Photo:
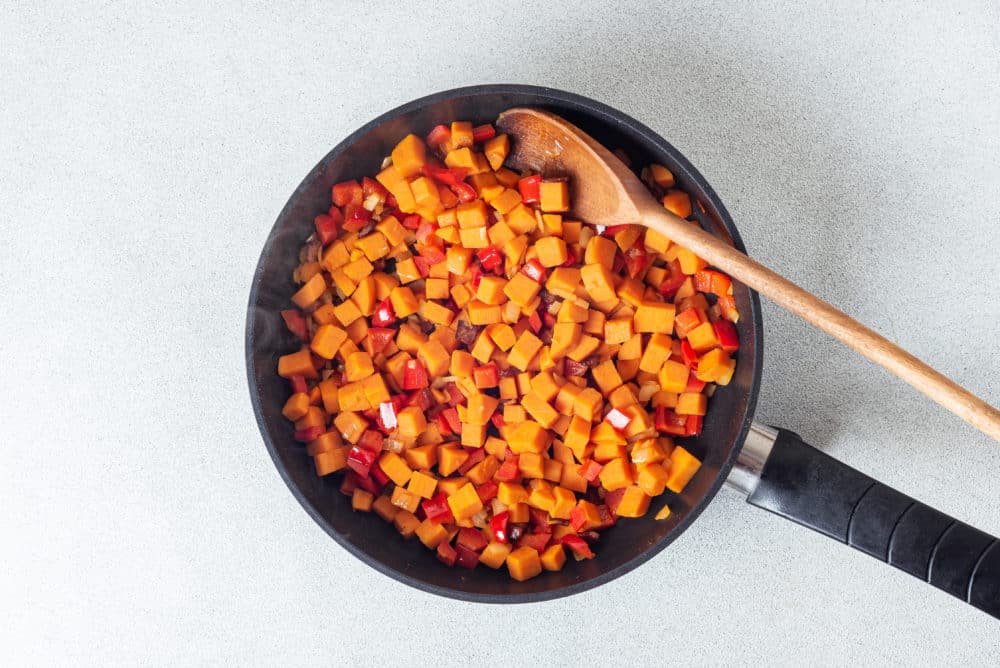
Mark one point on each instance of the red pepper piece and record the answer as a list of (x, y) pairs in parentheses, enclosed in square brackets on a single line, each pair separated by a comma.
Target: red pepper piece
[(437, 508), (466, 558), (356, 217), (537, 541), (451, 417), (412, 221), (471, 539), (726, 333), (455, 398), (727, 304), (612, 499), (347, 192), (636, 259), (390, 201), (508, 471), (693, 425), (379, 476), (438, 135), (612, 230), (384, 314), (449, 176), (674, 280), (298, 383), (425, 230), (539, 520), (535, 322), (490, 257), (369, 485), (308, 434), (577, 518), (360, 460), (464, 192), (475, 456), (694, 385), (590, 470), (570, 258), (371, 440), (379, 338), (432, 252), (498, 526), (534, 270), (708, 280), (578, 545), (349, 484), (422, 399), (497, 420), (481, 133), (295, 323), (446, 554), (442, 424), (688, 354), (449, 200), (669, 422), (488, 491), (617, 419), (326, 228), (371, 187), (530, 189)]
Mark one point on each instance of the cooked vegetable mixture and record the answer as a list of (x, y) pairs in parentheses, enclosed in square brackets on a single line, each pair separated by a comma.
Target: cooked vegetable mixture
[(493, 376)]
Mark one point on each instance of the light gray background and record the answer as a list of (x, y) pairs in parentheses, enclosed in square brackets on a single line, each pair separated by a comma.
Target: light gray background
[(144, 154)]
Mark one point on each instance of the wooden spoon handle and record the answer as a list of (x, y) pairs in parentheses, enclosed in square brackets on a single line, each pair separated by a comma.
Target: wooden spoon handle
[(836, 323)]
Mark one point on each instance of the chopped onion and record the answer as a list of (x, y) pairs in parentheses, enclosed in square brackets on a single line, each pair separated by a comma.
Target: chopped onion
[(373, 201), (481, 519), (386, 161), (498, 506), (617, 419), (647, 391), (392, 445), (388, 414)]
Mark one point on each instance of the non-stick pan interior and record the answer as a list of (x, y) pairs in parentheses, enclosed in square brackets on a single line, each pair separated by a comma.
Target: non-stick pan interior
[(621, 548)]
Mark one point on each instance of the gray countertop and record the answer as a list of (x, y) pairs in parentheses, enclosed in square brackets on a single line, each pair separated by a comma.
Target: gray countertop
[(144, 154)]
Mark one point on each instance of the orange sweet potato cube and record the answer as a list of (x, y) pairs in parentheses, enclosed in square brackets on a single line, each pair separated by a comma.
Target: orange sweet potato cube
[(358, 366), (409, 156), (395, 467), (606, 376), (473, 435), (634, 503), (435, 288), (563, 504), (405, 500), (598, 282), (588, 403), (691, 403), (404, 302), (410, 424), (545, 386), (502, 335), (577, 436), (475, 237), (431, 533), (449, 459), (657, 351), (521, 290), (563, 281), (491, 290), (618, 330), (616, 474), (422, 457), (506, 200), (434, 357), (310, 291), (523, 563), (651, 478), (529, 436), (462, 364), (531, 465), (422, 484), (406, 523), (683, 466), (600, 250), (551, 251), (703, 338), (524, 350), (496, 150), (539, 409), (327, 341), (465, 502), (554, 195), (653, 317), (330, 461), (472, 214), (678, 203), (480, 408), (458, 259), (521, 219), (495, 554)]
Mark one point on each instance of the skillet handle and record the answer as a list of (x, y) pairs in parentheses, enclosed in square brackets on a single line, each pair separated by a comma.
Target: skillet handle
[(809, 487)]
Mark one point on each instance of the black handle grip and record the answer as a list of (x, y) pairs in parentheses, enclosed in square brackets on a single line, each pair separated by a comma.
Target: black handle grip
[(817, 491)]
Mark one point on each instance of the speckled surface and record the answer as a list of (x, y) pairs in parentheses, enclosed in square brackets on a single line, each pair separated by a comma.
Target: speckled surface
[(145, 154)]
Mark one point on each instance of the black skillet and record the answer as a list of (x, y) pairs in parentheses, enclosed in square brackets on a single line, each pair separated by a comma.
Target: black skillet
[(777, 470)]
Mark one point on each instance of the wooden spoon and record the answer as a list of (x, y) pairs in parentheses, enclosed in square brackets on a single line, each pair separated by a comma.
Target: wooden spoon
[(607, 193)]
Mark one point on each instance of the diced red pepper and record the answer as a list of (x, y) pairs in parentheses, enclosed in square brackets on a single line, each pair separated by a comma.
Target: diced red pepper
[(694, 385), (508, 471), (636, 259), (530, 189), (326, 228), (471, 539), (384, 314), (438, 135), (612, 499), (367, 484), (295, 323), (481, 133), (488, 491), (308, 434), (451, 417), (378, 475), (425, 230), (356, 217), (708, 280), (577, 518), (372, 440), (411, 222), (349, 484), (608, 518), (490, 257), (674, 280), (535, 322), (539, 519), (422, 399), (347, 192), (534, 270), (578, 545), (298, 383), (693, 425), (450, 176), (449, 200), (727, 304), (371, 187), (669, 422), (726, 333), (570, 258), (590, 470), (464, 192), (688, 354), (617, 419), (442, 424), (536, 541), (390, 201), (573, 368), (486, 376), (360, 460), (466, 557), (498, 526), (548, 319), (437, 508), (455, 398), (379, 338), (475, 456), (497, 420), (433, 251), (446, 554)]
